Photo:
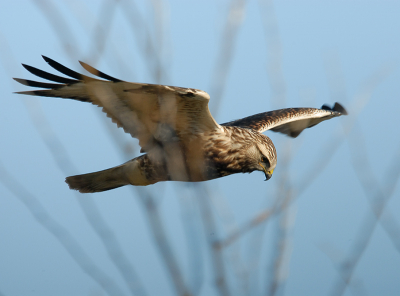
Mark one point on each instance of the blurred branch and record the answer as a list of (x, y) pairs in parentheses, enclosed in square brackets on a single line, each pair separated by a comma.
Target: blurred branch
[(194, 243), (147, 199), (228, 223), (357, 142), (378, 200), (274, 56), (211, 231), (58, 23), (224, 58), (144, 39), (85, 17), (279, 262), (354, 109), (243, 229), (161, 239), (281, 255), (102, 30), (62, 235), (92, 214), (87, 205), (360, 161), (327, 152)]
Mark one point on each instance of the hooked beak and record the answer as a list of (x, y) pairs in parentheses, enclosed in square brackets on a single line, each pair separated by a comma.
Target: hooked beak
[(268, 174)]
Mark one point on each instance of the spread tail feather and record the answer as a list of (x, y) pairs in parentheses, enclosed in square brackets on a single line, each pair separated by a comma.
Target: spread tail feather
[(98, 181)]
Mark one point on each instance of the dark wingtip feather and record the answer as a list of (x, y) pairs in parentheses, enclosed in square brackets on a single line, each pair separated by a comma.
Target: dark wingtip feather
[(337, 108), (65, 70), (326, 107), (49, 76), (98, 73), (38, 84), (30, 93)]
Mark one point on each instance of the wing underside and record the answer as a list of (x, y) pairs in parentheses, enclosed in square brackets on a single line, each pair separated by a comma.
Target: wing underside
[(290, 121), (152, 113)]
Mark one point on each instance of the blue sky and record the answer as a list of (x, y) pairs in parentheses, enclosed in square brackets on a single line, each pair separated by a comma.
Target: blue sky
[(325, 51)]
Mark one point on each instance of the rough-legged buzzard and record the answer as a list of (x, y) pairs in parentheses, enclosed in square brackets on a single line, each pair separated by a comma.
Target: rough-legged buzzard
[(175, 128)]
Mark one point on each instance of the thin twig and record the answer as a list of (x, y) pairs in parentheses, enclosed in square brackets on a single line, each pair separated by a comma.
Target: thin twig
[(277, 275), (210, 229), (194, 244), (224, 59), (102, 30), (89, 208), (327, 153), (144, 40), (378, 201), (162, 242), (274, 57), (92, 214), (58, 23), (224, 212), (62, 235)]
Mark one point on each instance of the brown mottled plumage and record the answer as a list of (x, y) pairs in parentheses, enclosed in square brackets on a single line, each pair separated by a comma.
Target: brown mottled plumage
[(175, 128)]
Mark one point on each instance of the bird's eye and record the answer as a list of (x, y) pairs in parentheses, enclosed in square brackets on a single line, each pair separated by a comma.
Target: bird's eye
[(264, 160)]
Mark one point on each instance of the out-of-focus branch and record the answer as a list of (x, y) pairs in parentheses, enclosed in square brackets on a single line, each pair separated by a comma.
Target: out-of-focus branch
[(279, 263), (144, 40), (161, 240), (274, 57), (85, 17), (233, 255), (224, 58), (147, 199), (58, 23), (392, 228), (378, 200), (360, 161), (87, 205), (281, 255), (210, 230), (89, 208), (243, 229), (63, 236), (372, 189), (327, 152), (194, 244), (102, 29)]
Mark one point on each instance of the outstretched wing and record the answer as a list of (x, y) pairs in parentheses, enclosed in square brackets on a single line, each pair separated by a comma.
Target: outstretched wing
[(152, 113), (290, 121)]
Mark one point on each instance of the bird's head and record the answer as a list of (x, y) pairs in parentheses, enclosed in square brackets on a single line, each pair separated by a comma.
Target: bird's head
[(262, 156)]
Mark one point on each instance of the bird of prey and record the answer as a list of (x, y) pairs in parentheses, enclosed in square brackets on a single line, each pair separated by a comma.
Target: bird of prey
[(175, 129)]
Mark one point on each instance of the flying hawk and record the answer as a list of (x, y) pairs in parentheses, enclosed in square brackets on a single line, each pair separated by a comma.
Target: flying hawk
[(175, 128)]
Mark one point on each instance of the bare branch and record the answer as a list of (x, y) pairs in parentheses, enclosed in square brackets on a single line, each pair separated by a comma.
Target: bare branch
[(274, 65), (210, 229), (62, 235), (233, 22), (161, 240), (92, 214), (379, 199), (146, 43), (59, 25), (194, 243)]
